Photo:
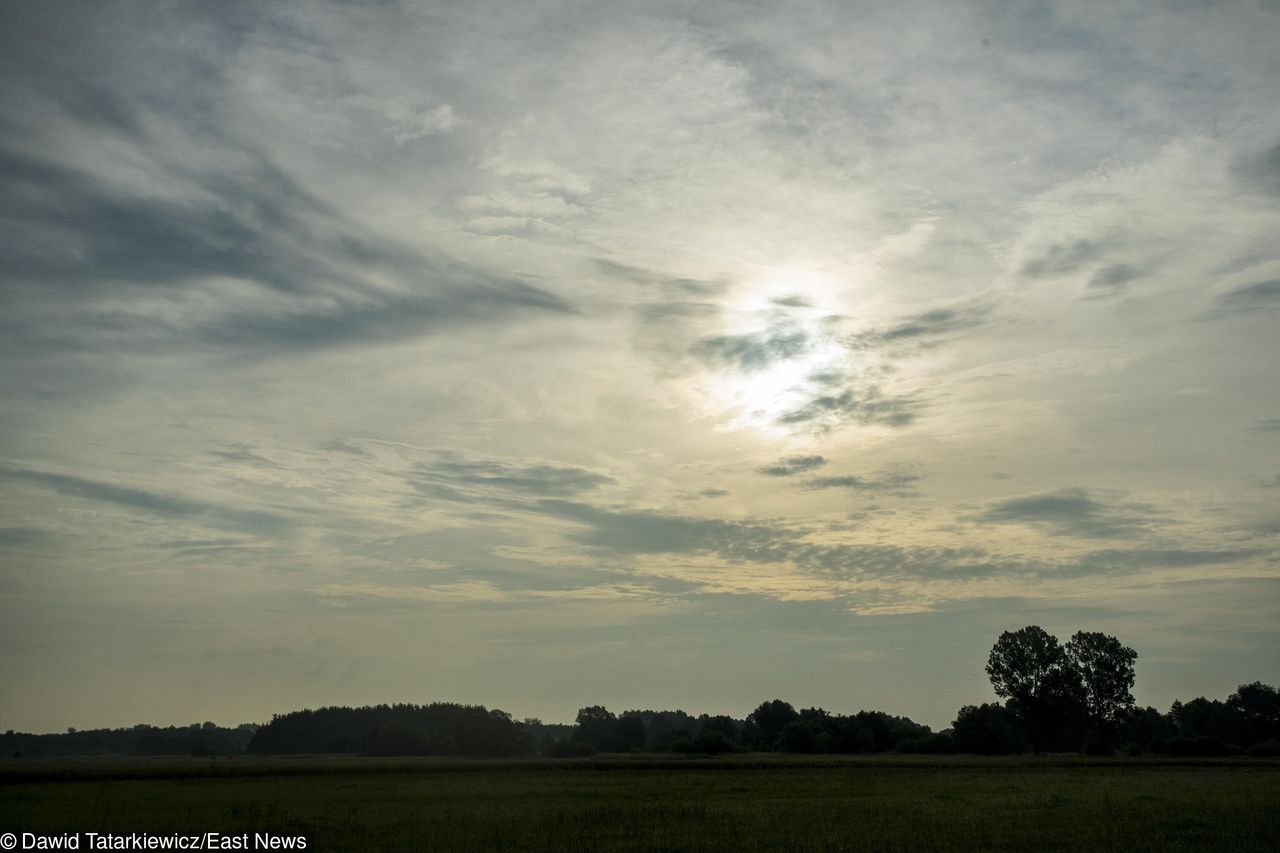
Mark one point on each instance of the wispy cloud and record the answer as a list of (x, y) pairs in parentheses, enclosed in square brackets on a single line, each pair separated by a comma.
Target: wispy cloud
[(1260, 296), (895, 483), (792, 465), (1073, 512), (155, 503), (454, 476), (868, 407)]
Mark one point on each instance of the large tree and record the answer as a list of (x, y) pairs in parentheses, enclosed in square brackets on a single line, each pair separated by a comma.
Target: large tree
[(769, 720), (597, 726), (1029, 668), (1105, 669), (1258, 705)]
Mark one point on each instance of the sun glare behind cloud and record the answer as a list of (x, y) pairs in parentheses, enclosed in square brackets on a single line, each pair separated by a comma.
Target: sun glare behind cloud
[(778, 348)]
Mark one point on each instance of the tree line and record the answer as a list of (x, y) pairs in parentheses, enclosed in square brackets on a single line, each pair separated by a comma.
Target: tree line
[(195, 739), (1072, 697)]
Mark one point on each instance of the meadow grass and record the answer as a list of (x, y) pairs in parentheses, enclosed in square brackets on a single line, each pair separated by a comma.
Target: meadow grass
[(741, 803)]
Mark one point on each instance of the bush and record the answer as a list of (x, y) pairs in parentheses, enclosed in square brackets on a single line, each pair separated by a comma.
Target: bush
[(936, 745), (1206, 746), (1211, 746), (570, 749), (1134, 750), (1266, 749), (908, 745), (712, 743)]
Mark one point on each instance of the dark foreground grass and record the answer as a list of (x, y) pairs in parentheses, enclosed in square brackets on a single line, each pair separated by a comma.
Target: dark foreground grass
[(664, 804)]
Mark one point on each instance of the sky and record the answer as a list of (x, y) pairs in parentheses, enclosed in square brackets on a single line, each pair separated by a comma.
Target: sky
[(653, 355)]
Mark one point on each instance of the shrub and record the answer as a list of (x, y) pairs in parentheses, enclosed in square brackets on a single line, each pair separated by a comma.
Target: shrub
[(712, 743), (936, 745), (1266, 749), (570, 749), (1211, 746)]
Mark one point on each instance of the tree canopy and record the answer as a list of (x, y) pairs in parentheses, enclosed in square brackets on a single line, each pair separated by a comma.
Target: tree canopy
[(1030, 668)]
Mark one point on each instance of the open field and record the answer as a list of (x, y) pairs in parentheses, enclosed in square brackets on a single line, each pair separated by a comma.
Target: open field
[(741, 803)]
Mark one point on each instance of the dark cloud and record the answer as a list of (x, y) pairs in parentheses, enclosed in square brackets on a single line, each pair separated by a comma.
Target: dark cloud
[(1268, 425), (868, 407), (928, 324), (1062, 258), (792, 302), (749, 353), (894, 483), (70, 237), (1113, 279), (454, 478), (649, 278), (109, 235), (1253, 297), (155, 503), (18, 537), (713, 493), (636, 532), (1123, 561), (244, 454), (792, 465), (1072, 512), (342, 445), (1260, 170), (872, 561)]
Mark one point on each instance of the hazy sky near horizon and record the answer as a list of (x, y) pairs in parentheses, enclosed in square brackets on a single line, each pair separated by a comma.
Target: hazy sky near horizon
[(641, 354)]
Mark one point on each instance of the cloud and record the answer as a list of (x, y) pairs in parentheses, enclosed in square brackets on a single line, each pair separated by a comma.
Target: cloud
[(1260, 296), (154, 503), (752, 352), (20, 537), (455, 477), (238, 258), (242, 453), (458, 592), (1260, 170), (1062, 258), (826, 411), (1072, 512), (639, 532), (649, 278), (927, 324), (1268, 425), (1124, 561), (792, 465), (894, 483), (1114, 278)]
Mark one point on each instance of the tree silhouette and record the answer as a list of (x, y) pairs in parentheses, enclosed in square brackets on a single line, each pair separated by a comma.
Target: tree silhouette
[(987, 729), (597, 726), (1105, 670), (1259, 707), (1030, 668), (769, 719)]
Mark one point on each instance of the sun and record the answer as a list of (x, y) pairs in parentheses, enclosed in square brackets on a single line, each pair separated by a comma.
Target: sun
[(786, 349)]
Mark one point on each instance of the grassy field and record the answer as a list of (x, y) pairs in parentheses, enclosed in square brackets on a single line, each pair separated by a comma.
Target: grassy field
[(743, 803)]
